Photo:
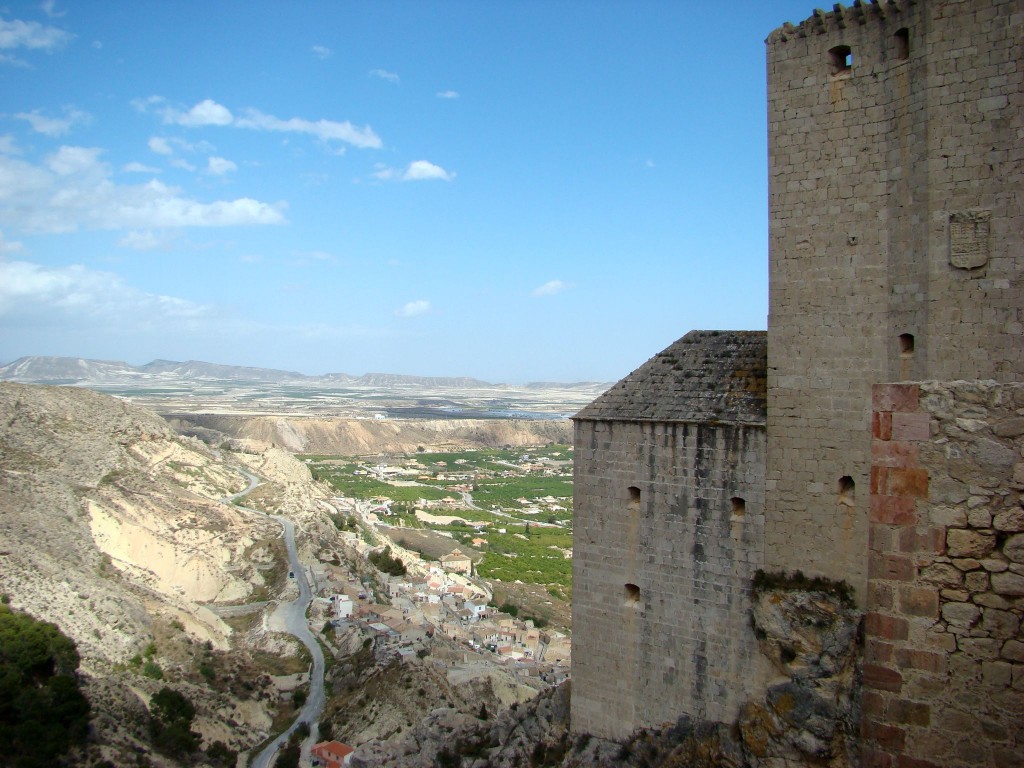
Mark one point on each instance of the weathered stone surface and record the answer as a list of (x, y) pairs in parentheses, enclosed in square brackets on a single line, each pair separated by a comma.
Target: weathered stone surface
[(1009, 520), (1013, 650), (992, 601), (976, 581), (979, 518), (967, 563), (1000, 624), (674, 509), (942, 574), (961, 614), (948, 517), (994, 566), (1008, 584), (981, 592), (1013, 549), (991, 453), (811, 639), (1013, 427), (967, 543)]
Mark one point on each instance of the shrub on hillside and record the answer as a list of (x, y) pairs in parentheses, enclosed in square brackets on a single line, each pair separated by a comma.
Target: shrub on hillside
[(42, 711)]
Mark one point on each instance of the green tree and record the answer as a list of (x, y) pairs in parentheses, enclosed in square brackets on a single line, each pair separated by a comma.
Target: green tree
[(171, 716), (289, 756), (388, 563), (42, 711), (220, 754)]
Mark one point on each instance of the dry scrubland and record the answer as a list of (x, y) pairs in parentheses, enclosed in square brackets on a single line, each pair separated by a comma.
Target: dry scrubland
[(114, 528)]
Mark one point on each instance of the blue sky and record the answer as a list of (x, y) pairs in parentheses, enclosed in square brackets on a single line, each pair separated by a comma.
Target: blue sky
[(516, 191)]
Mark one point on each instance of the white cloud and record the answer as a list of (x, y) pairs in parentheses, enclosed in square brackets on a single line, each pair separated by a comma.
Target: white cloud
[(413, 308), (218, 166), (322, 52), (550, 288), (325, 130), (31, 35), (208, 112), (7, 145), (419, 170), (54, 126), (447, 94), (28, 289), (185, 165), (72, 161), (167, 147), (144, 241), (9, 246), (383, 74), (135, 167), (73, 188), (384, 173), (160, 145), (50, 9)]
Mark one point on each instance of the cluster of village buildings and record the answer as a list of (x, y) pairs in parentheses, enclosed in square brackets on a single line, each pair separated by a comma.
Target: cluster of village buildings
[(437, 599), (437, 611)]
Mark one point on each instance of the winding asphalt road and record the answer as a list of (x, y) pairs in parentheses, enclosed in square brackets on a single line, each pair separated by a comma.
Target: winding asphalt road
[(296, 624)]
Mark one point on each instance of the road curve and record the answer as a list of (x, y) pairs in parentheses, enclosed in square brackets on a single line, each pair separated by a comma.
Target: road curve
[(296, 624), (295, 621)]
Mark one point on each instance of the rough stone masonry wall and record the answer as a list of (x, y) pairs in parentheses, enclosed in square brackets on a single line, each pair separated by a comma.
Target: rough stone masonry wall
[(944, 653), (664, 553), (896, 234)]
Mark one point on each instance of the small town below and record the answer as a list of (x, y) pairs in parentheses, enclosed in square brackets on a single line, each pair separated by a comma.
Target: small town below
[(441, 559)]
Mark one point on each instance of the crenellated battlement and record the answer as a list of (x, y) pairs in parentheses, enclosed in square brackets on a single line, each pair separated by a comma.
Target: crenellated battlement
[(840, 18)]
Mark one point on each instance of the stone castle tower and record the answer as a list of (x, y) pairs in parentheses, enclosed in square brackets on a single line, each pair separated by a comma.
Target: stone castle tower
[(896, 174), (896, 162)]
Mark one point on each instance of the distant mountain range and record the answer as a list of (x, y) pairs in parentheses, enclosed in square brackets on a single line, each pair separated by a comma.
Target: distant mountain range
[(80, 371)]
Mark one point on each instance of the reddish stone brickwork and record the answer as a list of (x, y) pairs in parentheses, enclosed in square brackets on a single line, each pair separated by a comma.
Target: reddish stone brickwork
[(944, 653)]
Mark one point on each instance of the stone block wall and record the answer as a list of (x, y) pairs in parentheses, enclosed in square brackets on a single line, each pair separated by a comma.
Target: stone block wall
[(944, 648), (668, 532), (896, 240)]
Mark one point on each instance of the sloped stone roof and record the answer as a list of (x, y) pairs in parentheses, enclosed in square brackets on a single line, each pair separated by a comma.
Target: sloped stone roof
[(706, 376)]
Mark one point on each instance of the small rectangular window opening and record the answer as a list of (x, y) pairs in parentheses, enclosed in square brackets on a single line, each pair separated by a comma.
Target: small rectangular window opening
[(847, 490), (906, 345), (841, 59), (632, 596), (739, 506), (902, 39), (633, 506)]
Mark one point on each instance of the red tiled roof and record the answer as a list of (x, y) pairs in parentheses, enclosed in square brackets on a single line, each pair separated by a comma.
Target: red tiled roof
[(332, 752)]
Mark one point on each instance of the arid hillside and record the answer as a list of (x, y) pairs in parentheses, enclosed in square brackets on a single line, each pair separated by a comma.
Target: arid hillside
[(353, 437), (112, 528), (106, 509)]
